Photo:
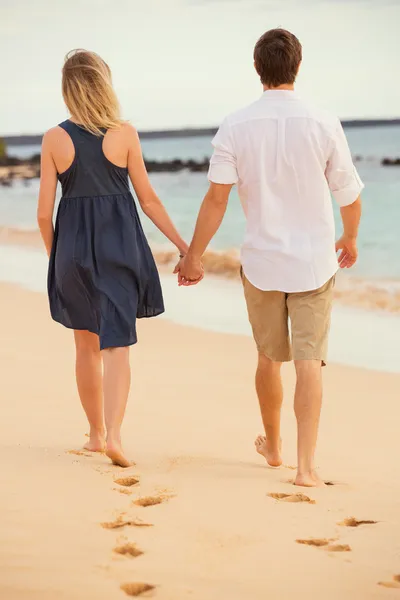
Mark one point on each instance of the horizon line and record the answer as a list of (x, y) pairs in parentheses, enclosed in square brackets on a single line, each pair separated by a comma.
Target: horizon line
[(188, 131)]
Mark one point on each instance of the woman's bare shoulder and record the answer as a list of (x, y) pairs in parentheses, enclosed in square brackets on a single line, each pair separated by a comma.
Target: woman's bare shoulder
[(128, 130), (54, 134), (127, 126), (125, 132)]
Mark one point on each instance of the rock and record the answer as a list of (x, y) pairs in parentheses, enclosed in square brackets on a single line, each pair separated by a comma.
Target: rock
[(390, 162), (198, 167), (10, 161), (35, 159)]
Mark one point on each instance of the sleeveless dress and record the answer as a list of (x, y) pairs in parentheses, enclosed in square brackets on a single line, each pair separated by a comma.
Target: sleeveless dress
[(102, 274)]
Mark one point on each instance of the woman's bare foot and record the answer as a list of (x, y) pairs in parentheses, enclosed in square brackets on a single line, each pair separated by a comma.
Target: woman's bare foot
[(271, 455), (310, 479), (97, 442), (115, 453)]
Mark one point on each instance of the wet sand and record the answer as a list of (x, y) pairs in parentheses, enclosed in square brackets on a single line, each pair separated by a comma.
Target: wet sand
[(349, 291), (222, 525)]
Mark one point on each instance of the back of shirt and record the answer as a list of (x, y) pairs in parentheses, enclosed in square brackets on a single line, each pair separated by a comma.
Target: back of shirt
[(286, 158)]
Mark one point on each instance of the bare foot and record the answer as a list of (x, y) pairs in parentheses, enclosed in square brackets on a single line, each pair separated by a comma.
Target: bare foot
[(96, 442), (115, 453), (310, 479), (271, 455)]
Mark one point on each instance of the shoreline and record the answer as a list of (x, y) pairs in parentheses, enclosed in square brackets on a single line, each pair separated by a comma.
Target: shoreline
[(218, 306), (190, 431), (374, 295)]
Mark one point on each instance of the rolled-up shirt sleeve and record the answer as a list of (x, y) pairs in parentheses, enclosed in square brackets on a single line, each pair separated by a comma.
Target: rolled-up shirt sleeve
[(341, 174), (223, 168)]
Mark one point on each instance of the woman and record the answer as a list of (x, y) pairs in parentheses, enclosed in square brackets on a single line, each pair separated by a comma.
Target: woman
[(102, 275)]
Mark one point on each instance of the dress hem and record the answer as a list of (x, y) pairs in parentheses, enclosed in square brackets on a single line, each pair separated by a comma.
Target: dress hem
[(104, 345)]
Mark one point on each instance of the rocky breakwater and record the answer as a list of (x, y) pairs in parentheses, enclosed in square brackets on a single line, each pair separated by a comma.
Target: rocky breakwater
[(12, 169), (391, 162)]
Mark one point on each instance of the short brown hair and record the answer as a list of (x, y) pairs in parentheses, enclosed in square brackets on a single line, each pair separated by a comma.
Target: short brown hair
[(277, 56)]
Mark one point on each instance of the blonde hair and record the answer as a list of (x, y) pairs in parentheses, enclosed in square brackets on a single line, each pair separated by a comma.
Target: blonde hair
[(88, 92)]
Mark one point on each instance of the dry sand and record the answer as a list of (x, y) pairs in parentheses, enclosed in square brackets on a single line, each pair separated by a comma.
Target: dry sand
[(223, 530)]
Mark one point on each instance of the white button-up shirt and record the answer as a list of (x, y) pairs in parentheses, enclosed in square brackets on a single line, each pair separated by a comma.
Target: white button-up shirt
[(286, 157)]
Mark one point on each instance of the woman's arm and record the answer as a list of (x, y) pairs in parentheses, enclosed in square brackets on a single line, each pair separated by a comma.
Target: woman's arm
[(148, 199), (47, 192)]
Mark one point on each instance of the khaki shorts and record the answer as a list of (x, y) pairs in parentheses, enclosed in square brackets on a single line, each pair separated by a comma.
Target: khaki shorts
[(309, 314)]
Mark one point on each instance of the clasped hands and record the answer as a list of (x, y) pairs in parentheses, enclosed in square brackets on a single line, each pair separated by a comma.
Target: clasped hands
[(190, 270)]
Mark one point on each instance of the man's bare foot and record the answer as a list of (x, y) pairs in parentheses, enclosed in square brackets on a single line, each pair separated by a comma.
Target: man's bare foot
[(115, 453), (271, 455), (97, 442), (310, 479)]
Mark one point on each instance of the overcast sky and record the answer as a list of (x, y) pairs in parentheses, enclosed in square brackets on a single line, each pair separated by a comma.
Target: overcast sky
[(189, 62)]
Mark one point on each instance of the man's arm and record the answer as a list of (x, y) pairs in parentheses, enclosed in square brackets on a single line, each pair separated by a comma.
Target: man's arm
[(345, 185), (351, 216), (222, 176), (210, 217)]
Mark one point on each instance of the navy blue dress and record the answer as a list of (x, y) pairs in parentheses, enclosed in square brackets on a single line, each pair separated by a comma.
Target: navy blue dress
[(102, 274)]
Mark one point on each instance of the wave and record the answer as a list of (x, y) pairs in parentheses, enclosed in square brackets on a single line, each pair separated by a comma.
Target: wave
[(226, 264), (349, 291), (20, 237)]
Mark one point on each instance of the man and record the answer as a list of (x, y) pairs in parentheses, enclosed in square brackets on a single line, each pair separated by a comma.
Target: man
[(286, 158)]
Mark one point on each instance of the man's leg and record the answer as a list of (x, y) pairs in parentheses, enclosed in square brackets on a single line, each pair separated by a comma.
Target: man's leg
[(307, 407), (268, 316), (310, 314), (270, 396)]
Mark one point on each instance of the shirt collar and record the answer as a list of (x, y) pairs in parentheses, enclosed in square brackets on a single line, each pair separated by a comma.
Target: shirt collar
[(280, 95)]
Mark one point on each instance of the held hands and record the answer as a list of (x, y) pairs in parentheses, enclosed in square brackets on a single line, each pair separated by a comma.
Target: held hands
[(189, 270), (348, 252)]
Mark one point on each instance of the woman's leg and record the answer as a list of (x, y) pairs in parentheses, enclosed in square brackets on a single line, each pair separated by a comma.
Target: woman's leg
[(89, 379), (116, 382)]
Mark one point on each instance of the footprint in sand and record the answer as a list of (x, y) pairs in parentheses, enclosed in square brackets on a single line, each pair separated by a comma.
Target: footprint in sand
[(80, 453), (318, 542), (291, 498), (338, 548), (395, 584), (136, 589), (353, 522), (121, 522), (123, 491), (128, 549), (127, 481), (152, 500), (326, 544)]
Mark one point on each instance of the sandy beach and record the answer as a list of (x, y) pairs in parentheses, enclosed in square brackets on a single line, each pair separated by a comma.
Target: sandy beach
[(190, 426)]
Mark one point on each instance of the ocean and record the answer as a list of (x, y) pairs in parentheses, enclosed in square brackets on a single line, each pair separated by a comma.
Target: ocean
[(217, 303), (183, 192)]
